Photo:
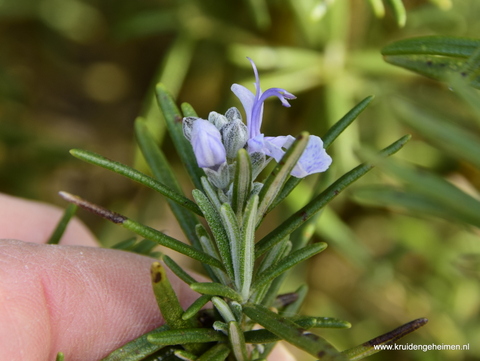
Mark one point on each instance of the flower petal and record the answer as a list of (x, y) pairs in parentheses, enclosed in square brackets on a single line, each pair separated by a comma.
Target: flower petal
[(246, 97), (313, 160), (207, 144)]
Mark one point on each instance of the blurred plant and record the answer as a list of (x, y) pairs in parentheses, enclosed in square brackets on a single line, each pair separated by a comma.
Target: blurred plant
[(456, 61), (246, 275), (383, 267)]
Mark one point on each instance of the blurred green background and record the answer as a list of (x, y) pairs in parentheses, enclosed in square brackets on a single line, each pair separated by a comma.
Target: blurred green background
[(75, 74)]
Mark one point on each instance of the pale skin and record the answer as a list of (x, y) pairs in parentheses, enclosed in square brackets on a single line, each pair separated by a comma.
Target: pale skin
[(75, 297)]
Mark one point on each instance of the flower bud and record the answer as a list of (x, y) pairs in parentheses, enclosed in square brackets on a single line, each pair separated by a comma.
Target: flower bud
[(234, 136), (233, 113), (187, 126), (207, 144), (217, 119)]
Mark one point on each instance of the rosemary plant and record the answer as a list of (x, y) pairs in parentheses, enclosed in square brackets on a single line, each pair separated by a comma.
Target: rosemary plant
[(226, 160)]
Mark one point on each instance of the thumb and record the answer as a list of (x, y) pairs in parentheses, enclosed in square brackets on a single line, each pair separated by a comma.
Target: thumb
[(82, 301)]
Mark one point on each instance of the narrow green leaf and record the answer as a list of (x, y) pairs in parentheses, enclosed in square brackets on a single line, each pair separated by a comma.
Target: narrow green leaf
[(211, 193), (167, 299), (273, 255), (179, 271), (218, 352), (142, 230), (188, 110), (170, 306), (224, 310), (185, 355), (163, 173), (210, 248), (173, 119), (215, 289), (170, 242), (242, 182), (62, 224), (137, 349), (433, 45), (207, 244), (214, 222), (185, 336), (136, 176), (260, 336), (399, 11), (237, 341), (265, 336), (370, 347), (219, 325), (236, 310), (267, 294), (276, 180), (320, 201), (196, 306), (247, 247), (291, 260), (229, 221), (145, 247), (60, 355), (292, 333), (125, 245), (320, 322)]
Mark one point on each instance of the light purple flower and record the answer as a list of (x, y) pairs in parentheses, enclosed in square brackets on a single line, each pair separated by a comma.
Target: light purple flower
[(313, 160), (207, 144)]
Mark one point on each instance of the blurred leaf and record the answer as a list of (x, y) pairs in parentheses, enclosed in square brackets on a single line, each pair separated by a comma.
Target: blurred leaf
[(399, 11), (62, 224), (434, 45), (457, 141), (147, 23), (430, 191), (378, 8), (436, 57)]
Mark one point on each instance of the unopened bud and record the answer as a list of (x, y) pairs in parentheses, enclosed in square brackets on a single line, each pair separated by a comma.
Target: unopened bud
[(234, 136)]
